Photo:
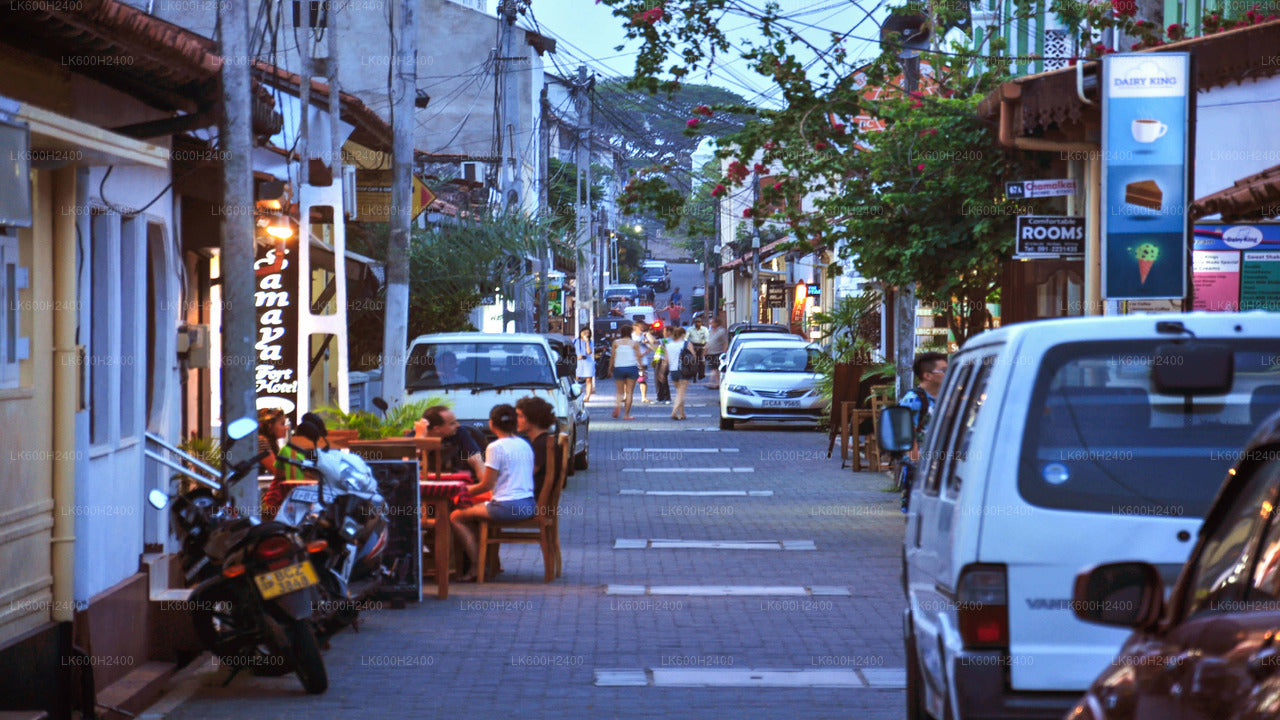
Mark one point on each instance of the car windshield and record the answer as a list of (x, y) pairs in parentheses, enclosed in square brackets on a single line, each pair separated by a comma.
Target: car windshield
[(1100, 439), (478, 364), (776, 360)]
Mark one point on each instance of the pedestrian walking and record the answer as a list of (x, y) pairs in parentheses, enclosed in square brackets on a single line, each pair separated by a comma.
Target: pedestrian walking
[(717, 344), (586, 370), (646, 359), (675, 298), (661, 363), (676, 352), (624, 366), (929, 368), (697, 337), (673, 310)]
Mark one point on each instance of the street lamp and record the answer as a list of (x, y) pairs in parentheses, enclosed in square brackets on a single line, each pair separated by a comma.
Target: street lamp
[(640, 230)]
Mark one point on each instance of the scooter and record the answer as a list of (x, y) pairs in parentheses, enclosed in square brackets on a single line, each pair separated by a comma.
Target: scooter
[(345, 514), (255, 591)]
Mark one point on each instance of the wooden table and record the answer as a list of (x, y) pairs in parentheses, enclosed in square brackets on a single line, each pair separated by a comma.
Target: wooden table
[(440, 495)]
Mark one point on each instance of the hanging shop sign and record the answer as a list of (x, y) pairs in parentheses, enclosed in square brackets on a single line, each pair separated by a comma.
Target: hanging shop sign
[(1039, 188), (1049, 236), (1144, 175), (775, 294), (373, 195), (275, 371)]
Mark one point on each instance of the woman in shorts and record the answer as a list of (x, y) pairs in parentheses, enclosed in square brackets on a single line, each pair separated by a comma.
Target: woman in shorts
[(586, 370), (624, 366), (508, 472)]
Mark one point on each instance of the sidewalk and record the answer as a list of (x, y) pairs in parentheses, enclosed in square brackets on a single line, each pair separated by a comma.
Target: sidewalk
[(521, 645)]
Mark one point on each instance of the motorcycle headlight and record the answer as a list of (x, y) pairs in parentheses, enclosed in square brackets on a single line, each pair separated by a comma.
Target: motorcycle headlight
[(350, 529)]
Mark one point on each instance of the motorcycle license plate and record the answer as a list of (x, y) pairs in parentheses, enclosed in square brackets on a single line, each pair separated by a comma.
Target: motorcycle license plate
[(304, 493), (781, 403), (286, 580)]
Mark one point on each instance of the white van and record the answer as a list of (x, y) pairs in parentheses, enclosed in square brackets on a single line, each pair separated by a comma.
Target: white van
[(476, 371), (1051, 451)]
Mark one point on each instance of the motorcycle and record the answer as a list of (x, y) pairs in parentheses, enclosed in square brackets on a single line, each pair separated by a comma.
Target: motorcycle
[(254, 591), (345, 514)]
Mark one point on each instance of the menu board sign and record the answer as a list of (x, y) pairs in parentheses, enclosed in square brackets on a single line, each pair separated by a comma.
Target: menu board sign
[(1144, 175), (1236, 267)]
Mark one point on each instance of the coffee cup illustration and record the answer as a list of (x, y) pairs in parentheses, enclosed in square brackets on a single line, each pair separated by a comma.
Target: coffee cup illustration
[(1145, 131)]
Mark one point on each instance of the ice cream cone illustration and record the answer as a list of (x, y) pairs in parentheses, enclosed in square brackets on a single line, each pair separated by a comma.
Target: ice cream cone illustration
[(1146, 253)]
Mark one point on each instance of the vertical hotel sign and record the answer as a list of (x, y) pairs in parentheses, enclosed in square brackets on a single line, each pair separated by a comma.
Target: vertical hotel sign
[(1144, 175), (275, 369)]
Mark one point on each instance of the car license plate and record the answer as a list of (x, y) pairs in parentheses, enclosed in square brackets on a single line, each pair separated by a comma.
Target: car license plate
[(286, 580), (781, 403)]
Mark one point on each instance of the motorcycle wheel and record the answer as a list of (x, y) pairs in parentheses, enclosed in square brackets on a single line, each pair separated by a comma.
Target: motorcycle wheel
[(309, 666), (219, 619)]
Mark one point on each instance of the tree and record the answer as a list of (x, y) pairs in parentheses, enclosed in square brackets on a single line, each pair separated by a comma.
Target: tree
[(914, 202)]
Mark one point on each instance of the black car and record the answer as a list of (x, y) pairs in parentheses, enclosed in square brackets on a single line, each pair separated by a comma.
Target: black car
[(656, 277)]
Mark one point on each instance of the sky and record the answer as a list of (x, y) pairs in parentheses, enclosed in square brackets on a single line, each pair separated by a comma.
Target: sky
[(588, 32)]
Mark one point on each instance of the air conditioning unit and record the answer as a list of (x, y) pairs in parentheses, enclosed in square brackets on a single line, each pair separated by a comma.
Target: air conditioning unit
[(473, 172), (349, 191)]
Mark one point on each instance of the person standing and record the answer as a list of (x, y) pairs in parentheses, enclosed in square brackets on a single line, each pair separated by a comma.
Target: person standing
[(717, 344), (673, 310), (508, 472), (675, 298), (639, 335), (661, 361), (930, 368), (586, 370), (675, 350), (697, 337), (624, 366)]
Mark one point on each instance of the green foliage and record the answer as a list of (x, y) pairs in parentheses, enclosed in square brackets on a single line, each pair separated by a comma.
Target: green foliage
[(847, 332), (206, 450), (562, 196), (372, 426)]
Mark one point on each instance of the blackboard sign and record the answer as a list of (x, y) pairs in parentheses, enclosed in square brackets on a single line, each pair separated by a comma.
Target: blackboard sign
[(398, 483), (775, 294)]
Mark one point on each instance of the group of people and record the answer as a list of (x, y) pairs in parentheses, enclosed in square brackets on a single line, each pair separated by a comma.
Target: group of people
[(507, 474)]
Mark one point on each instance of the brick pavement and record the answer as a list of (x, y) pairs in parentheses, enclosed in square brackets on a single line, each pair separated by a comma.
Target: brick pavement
[(519, 645)]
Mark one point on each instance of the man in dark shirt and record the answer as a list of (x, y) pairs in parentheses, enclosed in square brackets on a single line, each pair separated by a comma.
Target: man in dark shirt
[(439, 421), (534, 419)]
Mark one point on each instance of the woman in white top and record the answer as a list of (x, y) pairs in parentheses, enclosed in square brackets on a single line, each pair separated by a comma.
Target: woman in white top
[(624, 366), (508, 472), (674, 347)]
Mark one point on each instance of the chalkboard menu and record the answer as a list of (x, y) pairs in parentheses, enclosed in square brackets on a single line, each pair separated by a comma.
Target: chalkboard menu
[(398, 483)]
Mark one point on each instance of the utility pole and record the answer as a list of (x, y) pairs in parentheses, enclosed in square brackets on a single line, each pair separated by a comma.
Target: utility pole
[(544, 147), (713, 302), (904, 312), (585, 241), (755, 249), (510, 128), (395, 339), (239, 321), (335, 107)]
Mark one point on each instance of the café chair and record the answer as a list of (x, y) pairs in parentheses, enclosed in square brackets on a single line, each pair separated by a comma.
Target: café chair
[(544, 527)]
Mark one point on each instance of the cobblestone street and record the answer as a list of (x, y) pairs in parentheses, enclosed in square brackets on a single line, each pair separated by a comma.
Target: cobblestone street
[(629, 622)]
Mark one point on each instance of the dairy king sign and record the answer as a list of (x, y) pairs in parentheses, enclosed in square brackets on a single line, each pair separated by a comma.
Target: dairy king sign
[(276, 350)]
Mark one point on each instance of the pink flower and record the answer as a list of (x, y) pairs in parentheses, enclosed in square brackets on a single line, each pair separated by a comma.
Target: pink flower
[(703, 110), (758, 168), (717, 191), (916, 104), (746, 213), (920, 166), (691, 123)]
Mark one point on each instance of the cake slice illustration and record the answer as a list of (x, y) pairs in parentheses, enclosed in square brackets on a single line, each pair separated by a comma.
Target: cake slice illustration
[(1144, 193), (1146, 253)]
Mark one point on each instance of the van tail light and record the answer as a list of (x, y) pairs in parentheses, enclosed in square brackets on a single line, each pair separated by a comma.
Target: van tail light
[(982, 606), (273, 547)]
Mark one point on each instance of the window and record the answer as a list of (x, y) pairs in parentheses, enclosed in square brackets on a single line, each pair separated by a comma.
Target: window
[(969, 417), (103, 313), (13, 279), (950, 397), (1221, 571), (116, 363), (478, 365)]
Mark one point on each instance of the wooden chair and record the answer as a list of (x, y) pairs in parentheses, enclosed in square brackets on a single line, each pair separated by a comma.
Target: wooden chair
[(544, 527)]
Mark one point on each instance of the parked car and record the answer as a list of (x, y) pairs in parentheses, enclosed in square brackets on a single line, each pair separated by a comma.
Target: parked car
[(476, 371), (738, 327), (771, 380), (566, 370), (1053, 448), (743, 337), (614, 293), (1210, 651), (656, 276), (645, 295)]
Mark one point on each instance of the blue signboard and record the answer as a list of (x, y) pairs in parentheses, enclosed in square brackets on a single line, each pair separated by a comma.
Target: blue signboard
[(1144, 176)]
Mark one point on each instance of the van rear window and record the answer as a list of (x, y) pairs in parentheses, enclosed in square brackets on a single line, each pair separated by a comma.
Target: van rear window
[(1100, 439)]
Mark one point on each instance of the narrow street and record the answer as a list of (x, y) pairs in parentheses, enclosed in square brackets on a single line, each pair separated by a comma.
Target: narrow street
[(629, 623)]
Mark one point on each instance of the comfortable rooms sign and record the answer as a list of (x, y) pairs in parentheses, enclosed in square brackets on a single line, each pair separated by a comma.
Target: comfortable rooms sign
[(1049, 236)]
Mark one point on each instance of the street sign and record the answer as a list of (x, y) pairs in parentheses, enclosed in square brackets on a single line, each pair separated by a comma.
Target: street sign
[(1039, 188), (373, 195), (1049, 236)]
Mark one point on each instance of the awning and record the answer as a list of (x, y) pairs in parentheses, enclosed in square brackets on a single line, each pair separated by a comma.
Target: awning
[(84, 143), (1050, 99), (1256, 197)]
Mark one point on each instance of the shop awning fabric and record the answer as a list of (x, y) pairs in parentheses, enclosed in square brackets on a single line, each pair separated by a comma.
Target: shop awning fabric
[(1256, 197), (1050, 99)]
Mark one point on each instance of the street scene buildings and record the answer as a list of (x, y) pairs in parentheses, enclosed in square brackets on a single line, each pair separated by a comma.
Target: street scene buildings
[(933, 239)]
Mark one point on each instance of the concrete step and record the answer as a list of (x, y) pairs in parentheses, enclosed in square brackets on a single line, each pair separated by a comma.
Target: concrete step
[(135, 691)]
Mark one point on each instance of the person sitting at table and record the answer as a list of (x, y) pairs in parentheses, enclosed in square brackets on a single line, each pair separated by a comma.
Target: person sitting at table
[(534, 418), (307, 438), (461, 450), (273, 428), (508, 472)]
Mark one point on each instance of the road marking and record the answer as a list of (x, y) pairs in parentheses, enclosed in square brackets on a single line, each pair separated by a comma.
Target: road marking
[(682, 429), (681, 450), (876, 678), (688, 470), (727, 590), (667, 544), (700, 493)]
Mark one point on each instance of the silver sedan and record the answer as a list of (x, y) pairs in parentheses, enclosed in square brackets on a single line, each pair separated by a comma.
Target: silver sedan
[(772, 381)]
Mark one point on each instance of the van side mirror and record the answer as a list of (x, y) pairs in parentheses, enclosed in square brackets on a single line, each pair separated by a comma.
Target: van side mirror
[(1127, 594), (897, 430)]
